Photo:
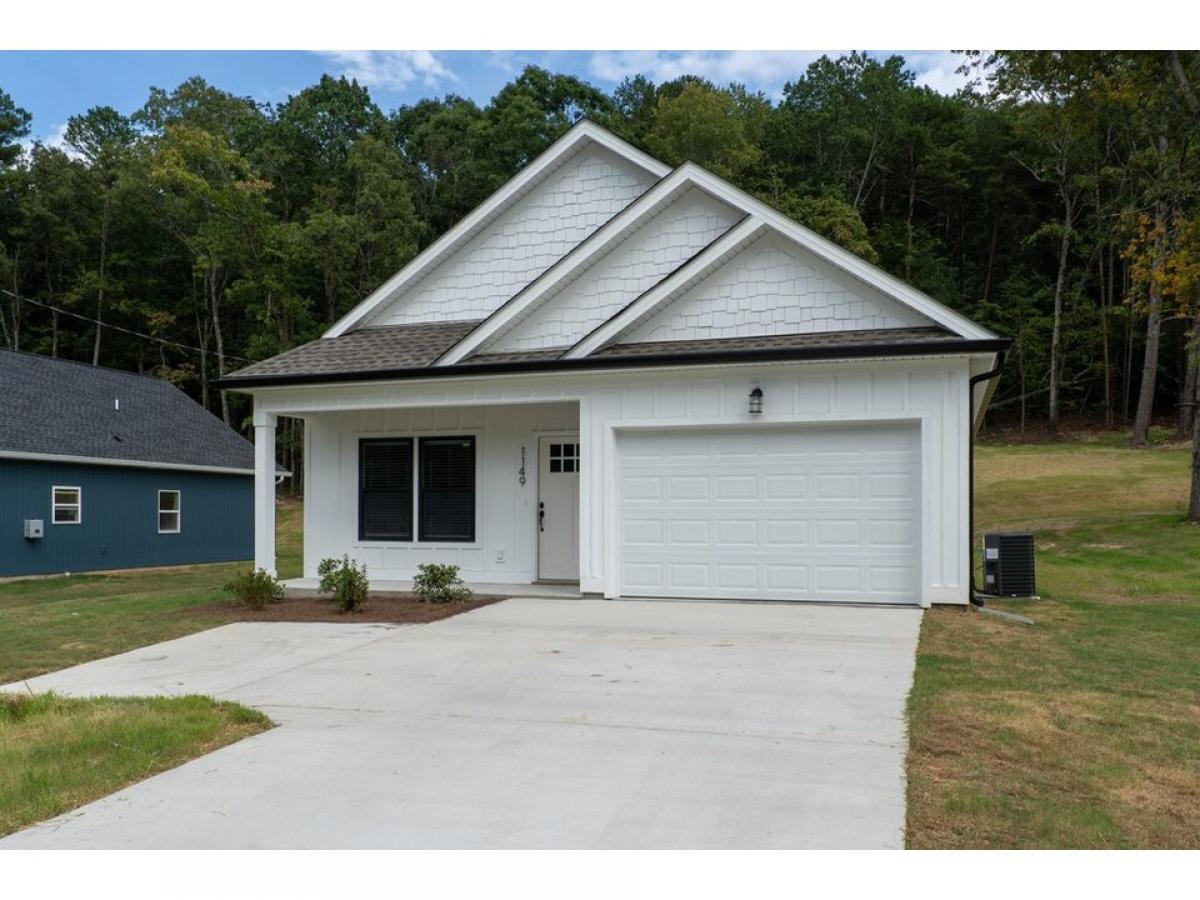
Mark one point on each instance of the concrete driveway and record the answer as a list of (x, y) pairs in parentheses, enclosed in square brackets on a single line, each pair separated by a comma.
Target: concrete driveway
[(533, 723)]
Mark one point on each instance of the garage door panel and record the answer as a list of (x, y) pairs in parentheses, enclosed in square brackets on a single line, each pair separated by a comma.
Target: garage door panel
[(786, 532), (804, 513), (737, 487), (642, 531), (689, 531), (645, 488), (688, 487), (738, 532), (784, 487), (737, 576), (889, 579), (888, 485), (785, 578), (637, 575), (688, 575), (836, 579), (892, 532), (839, 533)]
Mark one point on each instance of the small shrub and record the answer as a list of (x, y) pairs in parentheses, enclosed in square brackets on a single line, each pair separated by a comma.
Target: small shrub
[(256, 589), (346, 580), (439, 584)]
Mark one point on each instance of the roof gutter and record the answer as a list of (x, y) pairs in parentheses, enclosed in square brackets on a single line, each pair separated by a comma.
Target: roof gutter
[(698, 358), (125, 463), (976, 597)]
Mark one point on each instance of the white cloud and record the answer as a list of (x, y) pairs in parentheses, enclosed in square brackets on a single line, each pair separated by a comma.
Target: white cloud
[(505, 61), (392, 70), (56, 137), (938, 71), (766, 70)]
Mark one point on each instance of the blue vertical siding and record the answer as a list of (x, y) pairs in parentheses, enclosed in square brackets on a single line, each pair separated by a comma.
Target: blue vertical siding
[(119, 527)]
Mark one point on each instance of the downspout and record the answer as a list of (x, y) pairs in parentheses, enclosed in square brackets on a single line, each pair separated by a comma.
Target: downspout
[(977, 596)]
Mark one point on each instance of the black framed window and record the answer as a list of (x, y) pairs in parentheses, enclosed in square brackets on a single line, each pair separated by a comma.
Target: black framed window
[(385, 489), (446, 501), (564, 457)]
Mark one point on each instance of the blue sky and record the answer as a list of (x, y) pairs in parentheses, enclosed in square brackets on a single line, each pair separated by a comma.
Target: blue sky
[(56, 85)]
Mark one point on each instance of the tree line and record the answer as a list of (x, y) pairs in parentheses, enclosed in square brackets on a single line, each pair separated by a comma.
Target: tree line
[(1054, 200)]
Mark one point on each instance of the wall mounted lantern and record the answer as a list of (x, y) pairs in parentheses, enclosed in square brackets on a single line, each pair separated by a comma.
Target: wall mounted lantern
[(756, 400)]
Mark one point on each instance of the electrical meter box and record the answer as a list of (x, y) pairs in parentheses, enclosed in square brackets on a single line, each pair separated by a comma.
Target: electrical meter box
[(33, 529)]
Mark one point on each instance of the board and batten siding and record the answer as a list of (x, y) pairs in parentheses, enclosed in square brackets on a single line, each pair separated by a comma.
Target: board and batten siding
[(504, 549), (119, 523), (507, 412)]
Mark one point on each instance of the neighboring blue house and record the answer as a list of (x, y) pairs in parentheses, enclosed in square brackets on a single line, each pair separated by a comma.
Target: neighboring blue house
[(101, 469)]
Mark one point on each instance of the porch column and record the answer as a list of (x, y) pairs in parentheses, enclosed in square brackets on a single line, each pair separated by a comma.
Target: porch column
[(264, 491)]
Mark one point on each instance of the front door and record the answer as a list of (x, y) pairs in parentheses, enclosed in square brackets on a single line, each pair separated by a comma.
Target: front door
[(558, 508)]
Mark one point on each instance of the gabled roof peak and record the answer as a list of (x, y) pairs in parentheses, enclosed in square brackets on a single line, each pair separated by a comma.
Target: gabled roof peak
[(573, 140)]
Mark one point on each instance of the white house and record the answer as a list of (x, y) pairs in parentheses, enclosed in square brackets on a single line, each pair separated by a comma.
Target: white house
[(643, 380)]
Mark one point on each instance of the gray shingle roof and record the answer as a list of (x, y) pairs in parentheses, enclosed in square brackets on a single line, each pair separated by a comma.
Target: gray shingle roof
[(365, 350), (63, 408), (406, 349), (849, 339)]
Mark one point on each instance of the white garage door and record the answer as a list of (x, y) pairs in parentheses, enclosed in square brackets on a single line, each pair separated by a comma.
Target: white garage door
[(811, 513)]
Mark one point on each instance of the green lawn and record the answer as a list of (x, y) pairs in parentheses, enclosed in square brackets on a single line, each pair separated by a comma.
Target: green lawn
[(51, 623), (58, 753), (1084, 729)]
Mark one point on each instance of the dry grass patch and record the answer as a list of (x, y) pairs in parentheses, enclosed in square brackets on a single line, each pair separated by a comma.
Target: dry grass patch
[(1083, 730), (1062, 485), (58, 753)]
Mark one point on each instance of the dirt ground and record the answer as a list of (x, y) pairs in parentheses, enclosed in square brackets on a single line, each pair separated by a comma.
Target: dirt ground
[(395, 608)]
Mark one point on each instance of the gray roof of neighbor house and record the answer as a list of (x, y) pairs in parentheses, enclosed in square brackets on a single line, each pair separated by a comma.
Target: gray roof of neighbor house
[(56, 407), (409, 351)]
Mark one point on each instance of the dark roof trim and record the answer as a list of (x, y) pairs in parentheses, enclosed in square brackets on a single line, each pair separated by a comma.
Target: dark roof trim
[(711, 357)]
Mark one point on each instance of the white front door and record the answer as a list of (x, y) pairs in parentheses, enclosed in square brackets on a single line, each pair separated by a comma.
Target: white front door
[(558, 508)]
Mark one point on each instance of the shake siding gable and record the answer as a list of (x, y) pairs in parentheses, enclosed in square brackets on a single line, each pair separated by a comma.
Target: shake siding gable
[(771, 287), (645, 257), (554, 216)]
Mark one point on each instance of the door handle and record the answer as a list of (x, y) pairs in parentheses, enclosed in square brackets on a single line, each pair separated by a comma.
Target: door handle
[(541, 516)]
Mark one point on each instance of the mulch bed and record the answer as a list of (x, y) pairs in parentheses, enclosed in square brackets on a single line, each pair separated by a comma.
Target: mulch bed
[(395, 608)]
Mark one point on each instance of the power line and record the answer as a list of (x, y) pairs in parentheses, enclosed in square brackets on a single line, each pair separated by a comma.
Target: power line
[(138, 334)]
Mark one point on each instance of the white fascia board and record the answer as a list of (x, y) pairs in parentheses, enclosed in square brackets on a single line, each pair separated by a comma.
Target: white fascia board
[(842, 259), (577, 260), (568, 145), (610, 141), (125, 463), (742, 233)]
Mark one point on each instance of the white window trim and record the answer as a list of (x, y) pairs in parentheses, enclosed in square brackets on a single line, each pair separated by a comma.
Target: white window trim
[(77, 505), (178, 510)]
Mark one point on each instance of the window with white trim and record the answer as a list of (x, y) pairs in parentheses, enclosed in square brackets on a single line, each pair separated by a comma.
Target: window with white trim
[(168, 512), (66, 505)]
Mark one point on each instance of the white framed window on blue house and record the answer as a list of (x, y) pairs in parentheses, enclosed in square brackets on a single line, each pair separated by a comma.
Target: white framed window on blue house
[(66, 505), (170, 513), (419, 489)]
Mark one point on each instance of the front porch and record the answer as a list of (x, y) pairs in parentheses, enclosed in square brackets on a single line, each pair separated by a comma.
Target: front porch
[(491, 488)]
